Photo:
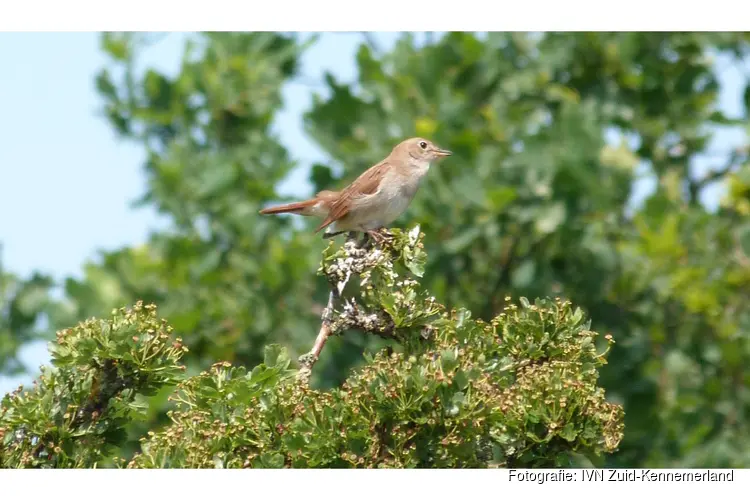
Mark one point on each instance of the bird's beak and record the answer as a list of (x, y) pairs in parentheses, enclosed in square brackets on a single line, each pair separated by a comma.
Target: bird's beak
[(443, 152)]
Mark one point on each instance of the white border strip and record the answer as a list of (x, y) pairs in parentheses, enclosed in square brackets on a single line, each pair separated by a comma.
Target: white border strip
[(382, 15)]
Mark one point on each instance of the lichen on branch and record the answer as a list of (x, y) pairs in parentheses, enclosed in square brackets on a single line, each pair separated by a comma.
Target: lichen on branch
[(388, 302)]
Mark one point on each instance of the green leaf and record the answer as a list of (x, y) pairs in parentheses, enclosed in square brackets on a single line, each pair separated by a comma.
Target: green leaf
[(462, 240), (523, 275), (275, 356), (720, 118), (217, 180), (448, 360), (209, 262), (556, 92), (415, 264), (500, 197), (569, 432), (117, 45), (550, 218), (104, 84), (270, 461), (461, 379)]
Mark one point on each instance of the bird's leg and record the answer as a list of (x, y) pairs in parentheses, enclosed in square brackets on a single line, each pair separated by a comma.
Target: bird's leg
[(331, 235), (367, 241)]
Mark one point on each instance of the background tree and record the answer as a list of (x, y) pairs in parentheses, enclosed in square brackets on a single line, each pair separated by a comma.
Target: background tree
[(22, 303), (535, 202)]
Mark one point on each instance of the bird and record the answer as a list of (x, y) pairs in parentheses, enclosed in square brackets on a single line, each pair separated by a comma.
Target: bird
[(376, 198)]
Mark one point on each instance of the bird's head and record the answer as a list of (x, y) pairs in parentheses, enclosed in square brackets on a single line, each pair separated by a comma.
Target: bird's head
[(421, 150)]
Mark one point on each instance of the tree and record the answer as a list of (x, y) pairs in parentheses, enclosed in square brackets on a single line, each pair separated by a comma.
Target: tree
[(22, 305), (533, 203), (520, 390)]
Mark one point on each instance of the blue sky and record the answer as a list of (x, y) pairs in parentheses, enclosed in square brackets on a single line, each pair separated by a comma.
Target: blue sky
[(67, 183)]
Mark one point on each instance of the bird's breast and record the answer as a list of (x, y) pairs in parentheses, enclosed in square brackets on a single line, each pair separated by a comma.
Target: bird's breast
[(393, 198)]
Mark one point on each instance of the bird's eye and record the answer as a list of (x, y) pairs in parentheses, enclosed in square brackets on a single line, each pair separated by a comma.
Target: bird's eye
[(423, 145)]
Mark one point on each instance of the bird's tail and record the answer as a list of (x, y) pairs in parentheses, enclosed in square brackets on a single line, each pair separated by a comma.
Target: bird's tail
[(314, 206), (300, 207)]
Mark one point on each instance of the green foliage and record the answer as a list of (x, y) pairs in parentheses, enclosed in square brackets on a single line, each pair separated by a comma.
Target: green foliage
[(458, 392), (535, 202), (445, 405), (75, 414), (22, 303)]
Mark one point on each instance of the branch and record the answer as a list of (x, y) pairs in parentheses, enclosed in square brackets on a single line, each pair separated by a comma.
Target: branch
[(377, 323), (308, 360), (695, 186), (358, 260)]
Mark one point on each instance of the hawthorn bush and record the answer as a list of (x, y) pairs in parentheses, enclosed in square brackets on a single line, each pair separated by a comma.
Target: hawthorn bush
[(447, 390)]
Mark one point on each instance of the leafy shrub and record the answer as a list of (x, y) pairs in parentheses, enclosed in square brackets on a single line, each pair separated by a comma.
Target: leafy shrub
[(448, 391), (75, 414)]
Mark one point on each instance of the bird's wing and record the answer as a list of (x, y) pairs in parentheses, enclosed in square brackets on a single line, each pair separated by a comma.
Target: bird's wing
[(366, 184)]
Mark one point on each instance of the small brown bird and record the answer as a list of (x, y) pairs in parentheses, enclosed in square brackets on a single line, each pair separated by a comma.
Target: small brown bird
[(377, 197)]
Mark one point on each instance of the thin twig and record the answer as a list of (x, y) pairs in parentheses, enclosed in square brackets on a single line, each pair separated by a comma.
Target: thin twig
[(325, 326), (308, 360)]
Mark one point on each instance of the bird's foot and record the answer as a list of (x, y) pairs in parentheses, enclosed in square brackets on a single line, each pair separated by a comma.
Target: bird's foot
[(379, 236)]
